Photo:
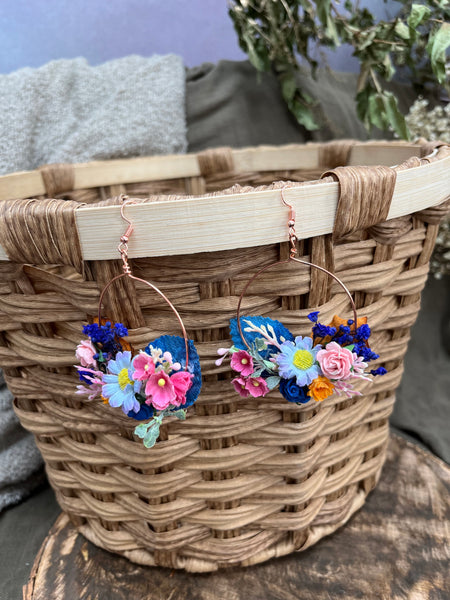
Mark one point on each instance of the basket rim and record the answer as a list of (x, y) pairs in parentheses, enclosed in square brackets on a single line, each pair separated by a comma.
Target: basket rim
[(209, 222)]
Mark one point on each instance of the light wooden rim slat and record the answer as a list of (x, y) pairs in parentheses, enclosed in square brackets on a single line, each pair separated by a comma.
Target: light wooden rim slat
[(191, 225), (28, 184)]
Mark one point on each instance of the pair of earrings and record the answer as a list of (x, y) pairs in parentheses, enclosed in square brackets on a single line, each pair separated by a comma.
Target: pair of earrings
[(165, 378)]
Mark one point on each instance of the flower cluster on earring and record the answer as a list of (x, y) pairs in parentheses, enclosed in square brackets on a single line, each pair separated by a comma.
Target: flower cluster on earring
[(155, 379), (302, 368)]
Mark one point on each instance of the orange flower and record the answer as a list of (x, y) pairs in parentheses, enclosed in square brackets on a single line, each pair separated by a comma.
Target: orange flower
[(320, 388), (338, 321)]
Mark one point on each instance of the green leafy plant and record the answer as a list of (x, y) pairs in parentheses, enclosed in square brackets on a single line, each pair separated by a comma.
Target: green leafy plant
[(278, 35)]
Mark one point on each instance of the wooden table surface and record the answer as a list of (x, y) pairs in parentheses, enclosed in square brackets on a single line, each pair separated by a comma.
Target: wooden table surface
[(396, 547)]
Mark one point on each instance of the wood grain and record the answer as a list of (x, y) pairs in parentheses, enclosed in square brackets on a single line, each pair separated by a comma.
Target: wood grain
[(395, 548)]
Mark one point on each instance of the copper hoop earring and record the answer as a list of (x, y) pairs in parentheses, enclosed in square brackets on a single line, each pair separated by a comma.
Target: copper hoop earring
[(164, 379), (265, 355)]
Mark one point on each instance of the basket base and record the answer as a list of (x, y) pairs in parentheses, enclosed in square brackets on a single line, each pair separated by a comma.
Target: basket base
[(408, 505), (285, 545)]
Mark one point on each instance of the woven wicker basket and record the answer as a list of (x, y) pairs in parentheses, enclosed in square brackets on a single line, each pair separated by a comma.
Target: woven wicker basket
[(241, 480)]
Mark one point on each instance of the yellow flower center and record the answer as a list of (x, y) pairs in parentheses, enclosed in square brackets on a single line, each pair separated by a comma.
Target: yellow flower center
[(303, 359), (244, 361), (146, 367), (256, 383), (161, 382), (124, 379)]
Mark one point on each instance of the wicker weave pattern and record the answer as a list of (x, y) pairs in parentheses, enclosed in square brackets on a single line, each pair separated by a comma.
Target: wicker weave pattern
[(241, 480)]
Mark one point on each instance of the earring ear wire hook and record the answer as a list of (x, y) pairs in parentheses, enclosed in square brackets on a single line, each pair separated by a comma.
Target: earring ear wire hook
[(123, 250), (293, 251)]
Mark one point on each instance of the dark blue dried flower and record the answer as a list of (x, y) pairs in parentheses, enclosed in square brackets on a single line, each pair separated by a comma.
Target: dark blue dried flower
[(121, 330), (294, 393), (83, 378), (313, 316), (363, 333), (105, 336), (367, 354), (321, 331), (379, 371)]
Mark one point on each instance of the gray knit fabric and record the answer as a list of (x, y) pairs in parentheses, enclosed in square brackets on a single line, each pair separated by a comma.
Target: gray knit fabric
[(19, 458), (69, 111)]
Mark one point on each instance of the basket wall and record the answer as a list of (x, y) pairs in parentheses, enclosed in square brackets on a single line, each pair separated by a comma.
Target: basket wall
[(241, 480)]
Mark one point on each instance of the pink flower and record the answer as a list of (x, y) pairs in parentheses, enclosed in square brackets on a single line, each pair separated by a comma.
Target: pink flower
[(242, 362), (256, 386), (335, 361), (359, 365), (160, 390), (143, 366), (85, 353), (239, 386), (181, 382), (222, 352), (346, 388), (93, 391)]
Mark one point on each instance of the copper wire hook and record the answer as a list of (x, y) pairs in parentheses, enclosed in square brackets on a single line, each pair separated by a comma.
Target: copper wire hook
[(123, 250), (292, 239)]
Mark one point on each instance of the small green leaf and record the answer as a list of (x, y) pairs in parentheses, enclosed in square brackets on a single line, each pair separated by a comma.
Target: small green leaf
[(351, 347), (179, 414), (419, 14), (402, 30), (436, 48), (323, 10), (258, 61), (272, 382), (141, 429), (152, 436), (362, 104), (260, 344), (304, 116), (257, 373), (377, 112), (269, 364), (288, 86), (388, 67), (394, 116)]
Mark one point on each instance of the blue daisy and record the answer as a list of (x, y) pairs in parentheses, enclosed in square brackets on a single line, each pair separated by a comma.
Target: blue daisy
[(298, 359), (120, 388)]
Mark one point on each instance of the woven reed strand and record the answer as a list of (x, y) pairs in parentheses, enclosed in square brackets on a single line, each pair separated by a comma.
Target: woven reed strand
[(241, 480)]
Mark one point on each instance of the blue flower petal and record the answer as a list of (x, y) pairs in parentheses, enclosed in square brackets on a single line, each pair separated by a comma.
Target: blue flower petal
[(110, 389), (116, 399), (129, 401), (113, 367)]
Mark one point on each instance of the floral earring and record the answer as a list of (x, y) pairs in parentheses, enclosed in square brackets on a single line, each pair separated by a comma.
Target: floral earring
[(161, 380), (265, 355)]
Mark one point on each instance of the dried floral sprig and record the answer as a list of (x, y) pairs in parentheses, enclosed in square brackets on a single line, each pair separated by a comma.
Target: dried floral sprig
[(276, 34)]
